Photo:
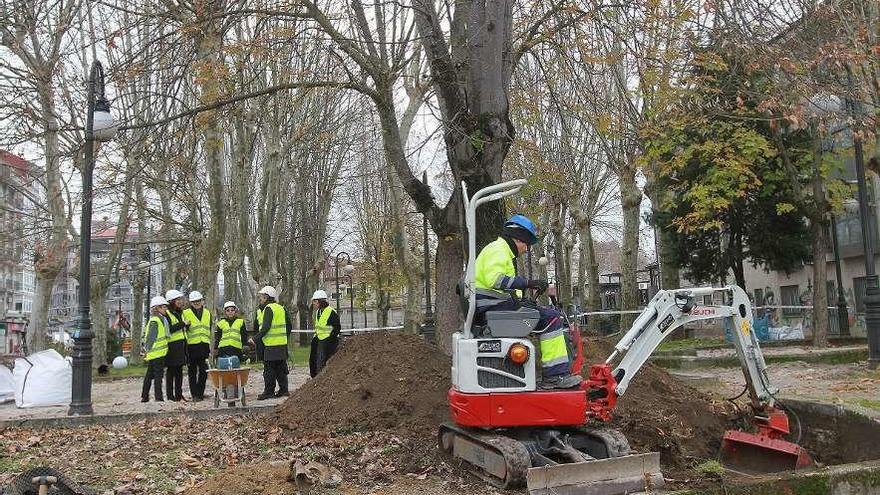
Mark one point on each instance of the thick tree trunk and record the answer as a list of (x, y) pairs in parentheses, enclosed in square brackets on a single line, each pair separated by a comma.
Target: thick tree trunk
[(50, 257), (820, 292), (669, 274), (820, 245), (137, 319), (448, 271), (590, 283), (631, 200), (36, 334), (100, 322)]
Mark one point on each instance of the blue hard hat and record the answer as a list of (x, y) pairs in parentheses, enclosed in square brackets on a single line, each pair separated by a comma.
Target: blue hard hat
[(523, 222)]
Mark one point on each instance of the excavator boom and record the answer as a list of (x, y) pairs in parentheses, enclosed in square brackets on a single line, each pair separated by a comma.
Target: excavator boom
[(763, 451)]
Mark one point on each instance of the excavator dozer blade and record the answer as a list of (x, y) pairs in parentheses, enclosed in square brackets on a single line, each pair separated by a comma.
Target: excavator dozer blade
[(613, 476), (750, 453)]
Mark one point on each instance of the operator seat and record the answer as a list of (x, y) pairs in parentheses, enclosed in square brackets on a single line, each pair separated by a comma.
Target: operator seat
[(517, 323)]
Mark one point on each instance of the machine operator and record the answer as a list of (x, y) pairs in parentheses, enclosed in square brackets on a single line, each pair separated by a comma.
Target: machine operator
[(495, 277)]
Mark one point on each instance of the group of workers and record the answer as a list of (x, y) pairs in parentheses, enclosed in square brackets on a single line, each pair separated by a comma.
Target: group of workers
[(177, 335)]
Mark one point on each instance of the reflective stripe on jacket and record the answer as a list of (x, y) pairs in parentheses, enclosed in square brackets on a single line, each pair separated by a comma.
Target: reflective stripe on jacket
[(178, 335), (277, 334), (493, 265), (230, 335), (322, 319), (199, 331), (160, 345)]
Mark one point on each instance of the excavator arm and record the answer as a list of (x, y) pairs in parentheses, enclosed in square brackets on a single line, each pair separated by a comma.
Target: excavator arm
[(672, 309)]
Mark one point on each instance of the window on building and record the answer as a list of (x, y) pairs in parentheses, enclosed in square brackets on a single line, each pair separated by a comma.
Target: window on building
[(789, 296), (759, 297), (18, 306)]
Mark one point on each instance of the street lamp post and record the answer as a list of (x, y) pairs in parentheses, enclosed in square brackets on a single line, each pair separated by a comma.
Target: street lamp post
[(842, 312), (350, 299), (428, 324), (872, 291), (99, 127), (348, 269)]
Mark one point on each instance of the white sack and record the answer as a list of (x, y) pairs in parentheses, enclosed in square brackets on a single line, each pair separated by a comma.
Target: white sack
[(42, 379), (7, 385)]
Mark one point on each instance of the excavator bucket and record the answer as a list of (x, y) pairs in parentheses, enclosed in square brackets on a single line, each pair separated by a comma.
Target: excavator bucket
[(752, 453), (613, 476)]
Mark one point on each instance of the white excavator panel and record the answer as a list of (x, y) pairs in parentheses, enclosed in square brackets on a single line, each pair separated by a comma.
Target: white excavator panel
[(481, 366)]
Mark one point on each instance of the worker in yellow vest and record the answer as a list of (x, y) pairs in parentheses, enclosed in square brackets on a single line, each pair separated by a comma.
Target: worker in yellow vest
[(154, 342), (327, 328), (176, 357), (272, 329), (198, 344), (230, 332)]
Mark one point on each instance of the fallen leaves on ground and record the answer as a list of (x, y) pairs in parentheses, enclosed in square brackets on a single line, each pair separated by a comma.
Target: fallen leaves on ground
[(173, 454)]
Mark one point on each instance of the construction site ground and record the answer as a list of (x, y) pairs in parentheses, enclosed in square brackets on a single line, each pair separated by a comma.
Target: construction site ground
[(372, 415)]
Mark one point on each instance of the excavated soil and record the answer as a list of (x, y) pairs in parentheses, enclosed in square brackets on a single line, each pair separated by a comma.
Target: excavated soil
[(387, 381), (251, 479), (663, 414), (374, 382)]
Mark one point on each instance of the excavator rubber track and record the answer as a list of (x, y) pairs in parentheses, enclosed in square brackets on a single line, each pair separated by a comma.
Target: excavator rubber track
[(497, 459), (600, 462)]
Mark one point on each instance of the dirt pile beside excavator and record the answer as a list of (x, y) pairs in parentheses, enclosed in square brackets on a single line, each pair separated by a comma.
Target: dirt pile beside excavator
[(663, 414), (374, 382), (391, 381)]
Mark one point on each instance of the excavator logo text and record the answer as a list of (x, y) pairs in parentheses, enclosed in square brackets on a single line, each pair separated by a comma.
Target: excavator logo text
[(702, 311)]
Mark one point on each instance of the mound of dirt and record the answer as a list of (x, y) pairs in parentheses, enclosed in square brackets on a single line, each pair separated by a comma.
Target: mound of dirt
[(663, 414), (374, 382), (250, 479), (391, 381)]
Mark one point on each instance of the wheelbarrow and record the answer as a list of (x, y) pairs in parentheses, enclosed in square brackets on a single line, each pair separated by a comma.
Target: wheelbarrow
[(229, 385)]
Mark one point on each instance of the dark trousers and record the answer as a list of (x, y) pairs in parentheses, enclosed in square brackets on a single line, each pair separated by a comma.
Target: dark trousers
[(274, 372), (197, 369), (153, 376), (174, 382), (321, 351)]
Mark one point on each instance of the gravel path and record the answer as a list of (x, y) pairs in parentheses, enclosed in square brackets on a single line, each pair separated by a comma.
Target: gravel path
[(123, 396)]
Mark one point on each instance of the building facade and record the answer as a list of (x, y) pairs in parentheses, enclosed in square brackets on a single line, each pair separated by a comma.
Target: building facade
[(19, 191)]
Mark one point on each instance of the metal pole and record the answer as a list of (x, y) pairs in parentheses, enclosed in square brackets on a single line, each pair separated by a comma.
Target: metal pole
[(81, 388), (365, 305), (336, 295), (872, 291), (842, 313), (351, 300), (428, 324)]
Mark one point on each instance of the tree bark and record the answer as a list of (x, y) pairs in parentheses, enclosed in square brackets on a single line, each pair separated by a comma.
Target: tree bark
[(588, 263), (448, 271), (100, 322), (819, 226), (631, 200)]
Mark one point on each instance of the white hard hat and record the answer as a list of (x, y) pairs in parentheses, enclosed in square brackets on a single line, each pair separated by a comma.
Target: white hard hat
[(269, 291), (173, 294), (319, 294), (195, 296), (228, 304), (158, 301)]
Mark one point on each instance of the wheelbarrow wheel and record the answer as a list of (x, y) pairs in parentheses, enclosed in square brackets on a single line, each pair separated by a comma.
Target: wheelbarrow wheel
[(216, 399)]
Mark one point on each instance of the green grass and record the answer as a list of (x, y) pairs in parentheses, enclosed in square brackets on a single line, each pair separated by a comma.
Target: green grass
[(710, 468), (869, 404)]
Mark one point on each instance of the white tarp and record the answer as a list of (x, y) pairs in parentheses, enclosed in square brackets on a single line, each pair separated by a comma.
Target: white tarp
[(7, 385), (42, 379), (787, 333)]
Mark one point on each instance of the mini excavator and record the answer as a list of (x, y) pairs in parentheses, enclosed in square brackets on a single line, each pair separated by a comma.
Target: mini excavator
[(510, 433)]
